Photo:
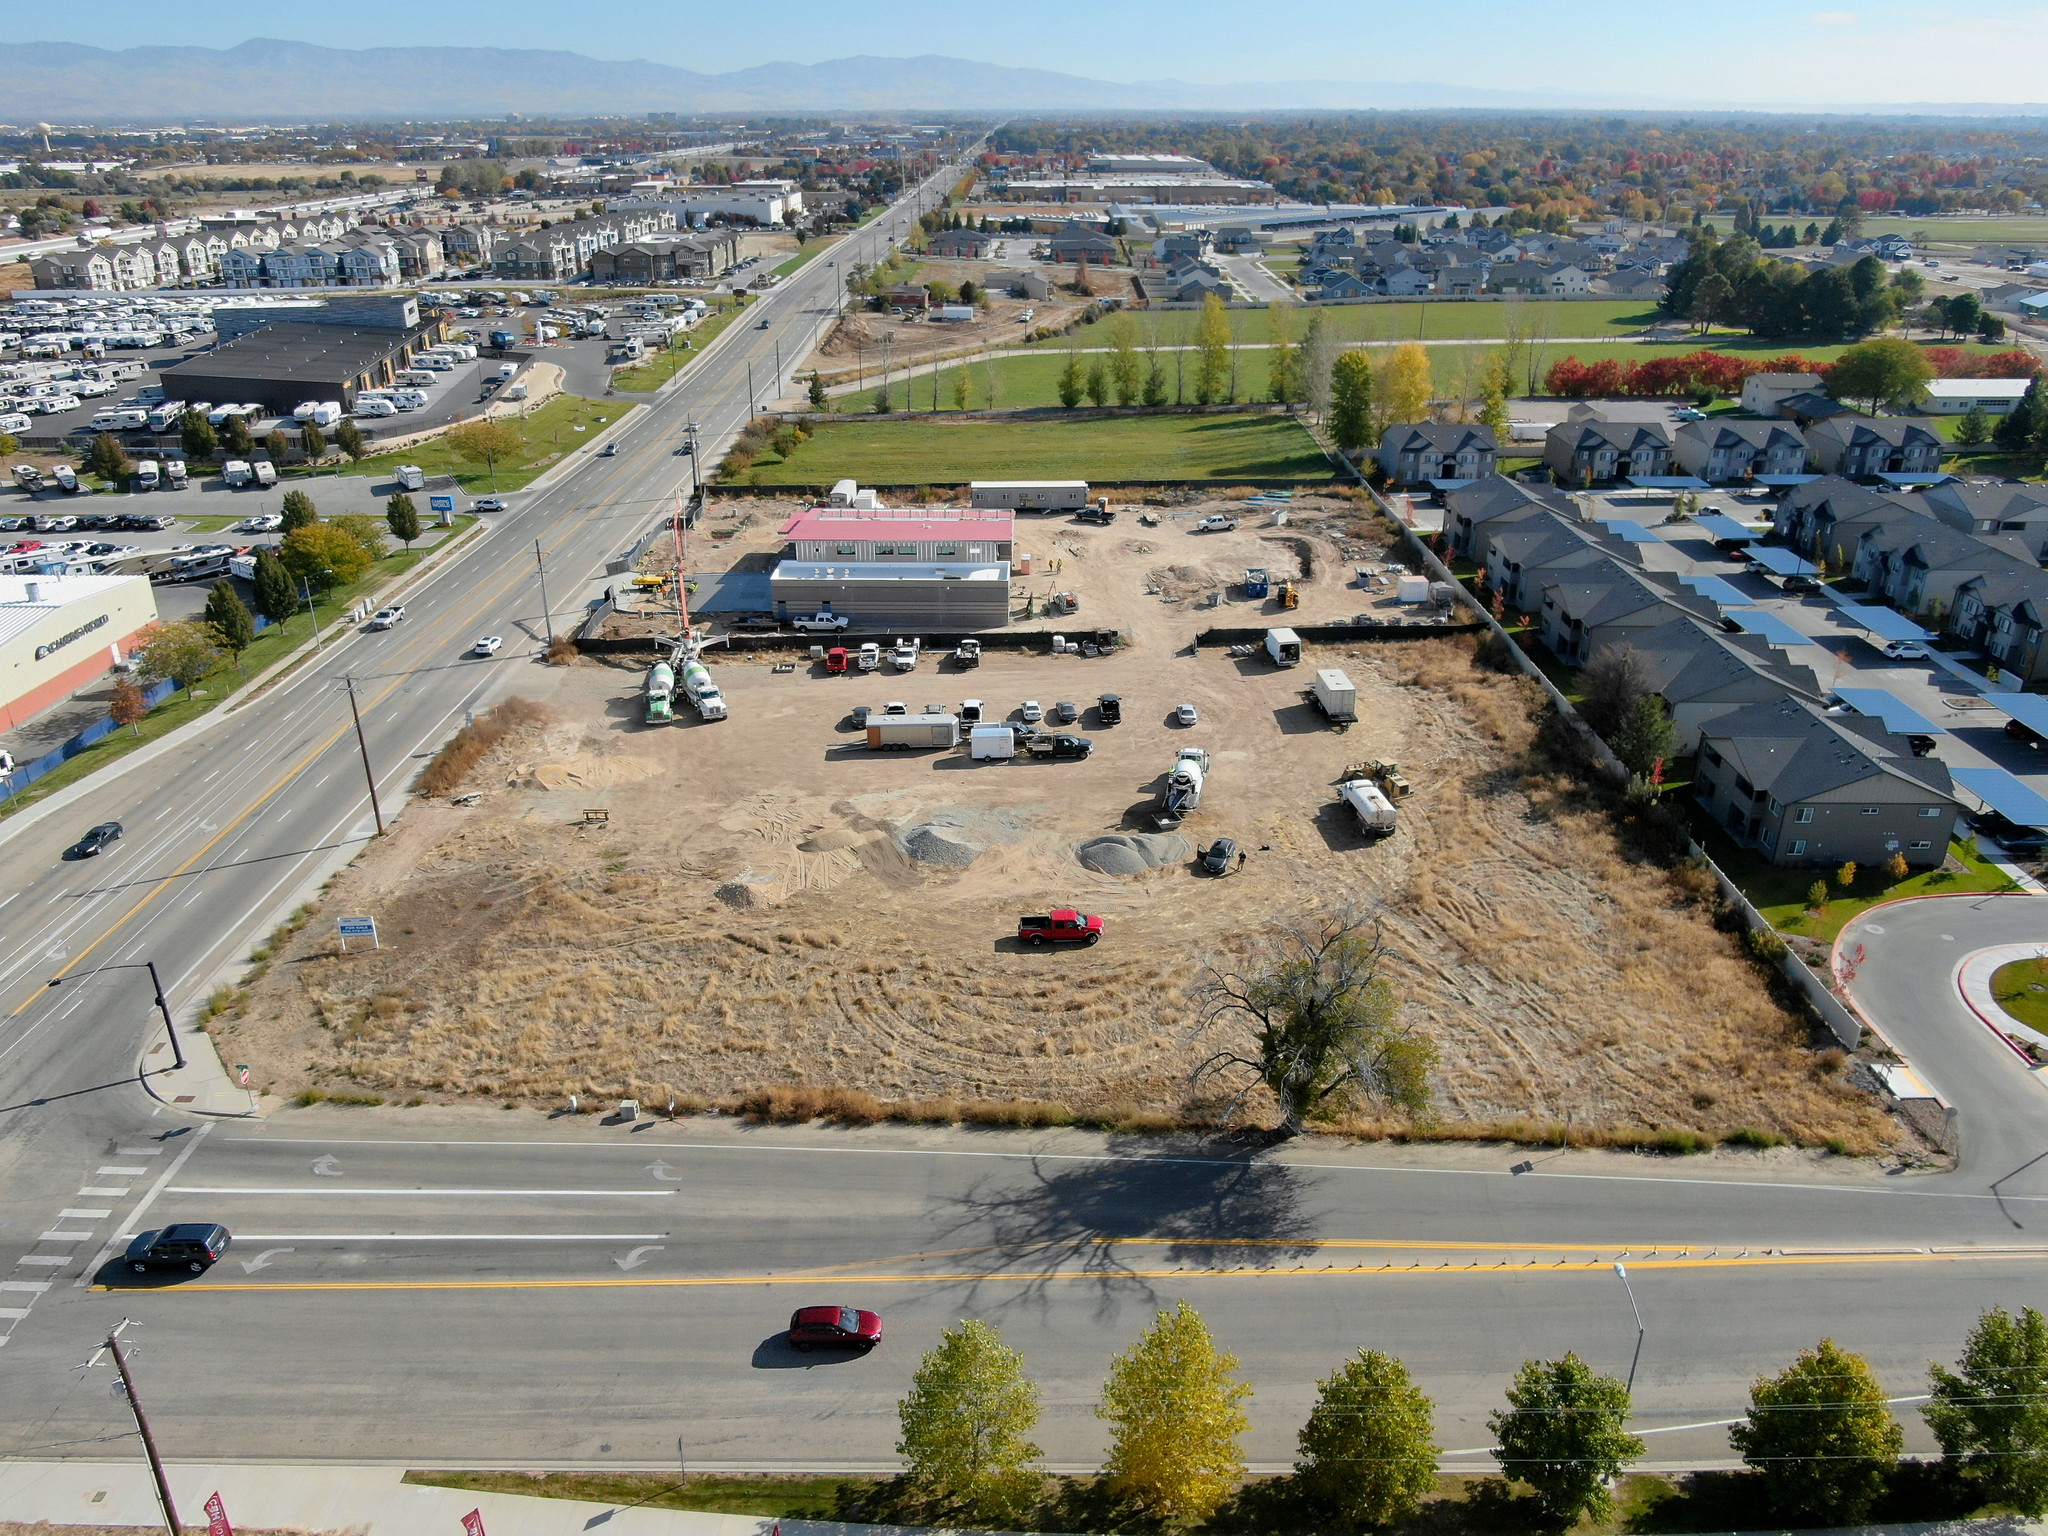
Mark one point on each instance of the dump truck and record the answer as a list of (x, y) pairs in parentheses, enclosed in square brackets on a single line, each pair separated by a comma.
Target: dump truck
[(967, 653), (1332, 693), (1183, 791), (1369, 803), (904, 733), (661, 692), (1283, 647)]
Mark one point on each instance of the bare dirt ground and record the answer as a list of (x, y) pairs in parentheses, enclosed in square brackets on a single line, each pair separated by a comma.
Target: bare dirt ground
[(855, 346), (752, 914)]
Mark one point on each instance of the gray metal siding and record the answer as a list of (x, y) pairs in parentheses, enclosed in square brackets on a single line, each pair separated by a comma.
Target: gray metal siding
[(952, 605)]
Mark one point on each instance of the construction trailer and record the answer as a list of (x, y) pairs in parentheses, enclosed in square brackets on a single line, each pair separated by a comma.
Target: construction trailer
[(1331, 692), (1029, 495)]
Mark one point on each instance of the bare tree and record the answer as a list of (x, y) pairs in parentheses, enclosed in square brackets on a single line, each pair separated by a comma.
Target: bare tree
[(1609, 686), (1323, 1024)]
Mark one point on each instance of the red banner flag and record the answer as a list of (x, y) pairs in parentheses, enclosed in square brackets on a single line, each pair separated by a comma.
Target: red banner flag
[(473, 1523), (217, 1517)]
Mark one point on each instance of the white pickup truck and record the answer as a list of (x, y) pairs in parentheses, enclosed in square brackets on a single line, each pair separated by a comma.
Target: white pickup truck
[(384, 618), (828, 623), (1216, 524)]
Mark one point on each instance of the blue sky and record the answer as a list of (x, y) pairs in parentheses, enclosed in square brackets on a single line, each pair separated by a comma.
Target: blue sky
[(1731, 51)]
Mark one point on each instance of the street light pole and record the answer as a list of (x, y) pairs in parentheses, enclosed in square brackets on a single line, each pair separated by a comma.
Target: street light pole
[(690, 430), (546, 617), (375, 809), (1622, 1270), (163, 1005)]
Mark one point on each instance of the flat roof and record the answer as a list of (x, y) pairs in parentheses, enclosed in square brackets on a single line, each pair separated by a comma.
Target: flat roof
[(851, 523), (1771, 627), (1883, 622), (891, 570), (292, 349), (1715, 590), (2004, 794), (1988, 389), (1780, 561), (2028, 708), (1899, 717), (1629, 531), (1722, 526), (1665, 482)]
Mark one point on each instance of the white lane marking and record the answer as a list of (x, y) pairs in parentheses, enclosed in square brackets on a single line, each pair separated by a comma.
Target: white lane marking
[(638, 1256), (571, 1194), (64, 1237), (1672, 1182), (40, 1258), (4, 903), (73, 1214), (328, 1167), (448, 1237), (134, 1218), (33, 1287), (118, 1168), (16, 1313), (138, 1151), (105, 1189)]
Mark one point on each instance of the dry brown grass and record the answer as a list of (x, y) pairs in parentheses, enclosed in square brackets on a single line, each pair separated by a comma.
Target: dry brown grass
[(1558, 971), (454, 762)]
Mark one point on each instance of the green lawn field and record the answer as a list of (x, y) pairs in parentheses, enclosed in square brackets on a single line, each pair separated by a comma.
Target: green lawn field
[(1396, 321), (1229, 448), (563, 425)]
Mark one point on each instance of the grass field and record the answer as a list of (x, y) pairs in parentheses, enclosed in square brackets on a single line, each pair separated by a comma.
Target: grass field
[(560, 427), (1235, 448), (1396, 321), (2021, 989), (682, 352), (1023, 383), (276, 641)]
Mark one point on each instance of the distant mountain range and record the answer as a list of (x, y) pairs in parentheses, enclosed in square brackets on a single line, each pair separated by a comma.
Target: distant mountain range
[(265, 80)]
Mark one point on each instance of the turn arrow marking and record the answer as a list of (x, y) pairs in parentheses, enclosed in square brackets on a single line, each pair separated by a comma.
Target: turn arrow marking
[(261, 1261), (328, 1167), (638, 1256), (661, 1171)]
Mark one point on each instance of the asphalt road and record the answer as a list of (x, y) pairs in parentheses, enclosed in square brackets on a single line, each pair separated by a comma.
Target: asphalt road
[(642, 1275)]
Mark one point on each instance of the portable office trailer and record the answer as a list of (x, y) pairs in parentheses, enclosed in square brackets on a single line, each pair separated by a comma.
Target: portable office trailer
[(1029, 495)]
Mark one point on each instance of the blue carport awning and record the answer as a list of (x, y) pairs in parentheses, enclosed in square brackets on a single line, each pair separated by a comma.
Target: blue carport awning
[(1715, 590), (1669, 483), (1780, 561), (1771, 627), (1898, 716), (1721, 526), (1629, 531), (1885, 623), (2004, 794), (2028, 708)]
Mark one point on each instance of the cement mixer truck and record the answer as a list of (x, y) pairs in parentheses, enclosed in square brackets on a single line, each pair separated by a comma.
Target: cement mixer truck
[(661, 692), (701, 691), (1183, 792)]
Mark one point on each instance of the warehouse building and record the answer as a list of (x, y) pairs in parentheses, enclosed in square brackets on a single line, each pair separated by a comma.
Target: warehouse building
[(950, 595), (280, 364), (58, 633)]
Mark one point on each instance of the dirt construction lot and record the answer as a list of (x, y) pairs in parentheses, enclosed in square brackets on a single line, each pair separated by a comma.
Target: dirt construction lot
[(770, 905)]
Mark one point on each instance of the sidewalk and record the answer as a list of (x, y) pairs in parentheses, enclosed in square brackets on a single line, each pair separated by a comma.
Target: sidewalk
[(371, 1501)]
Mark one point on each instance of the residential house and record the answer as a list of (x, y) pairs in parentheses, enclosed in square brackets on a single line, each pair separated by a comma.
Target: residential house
[(1519, 277), (960, 244), (1632, 283), (1885, 445), (1023, 284), (1569, 281), (134, 267), (1462, 282), (1997, 508), (1346, 285), (1404, 282), (1824, 518), (1172, 250), (1415, 453), (74, 269), (909, 297), (2005, 615), (1589, 448), (1724, 449), (1810, 406), (1606, 602), (1077, 242), (1525, 555), (1702, 673), (1474, 513), (1916, 564), (1761, 392), (471, 245), (1806, 787), (1239, 240)]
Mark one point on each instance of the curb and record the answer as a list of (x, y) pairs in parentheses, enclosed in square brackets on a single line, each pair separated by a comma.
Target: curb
[(246, 694), (1998, 1030)]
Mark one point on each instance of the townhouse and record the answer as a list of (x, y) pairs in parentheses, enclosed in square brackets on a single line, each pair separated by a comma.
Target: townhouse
[(2003, 614), (563, 251), (1851, 445), (1724, 449), (1416, 453), (1588, 448), (1703, 673)]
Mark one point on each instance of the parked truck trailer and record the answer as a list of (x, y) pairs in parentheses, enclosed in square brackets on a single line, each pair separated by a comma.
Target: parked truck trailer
[(904, 733)]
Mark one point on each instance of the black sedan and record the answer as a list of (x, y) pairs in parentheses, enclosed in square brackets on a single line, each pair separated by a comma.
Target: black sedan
[(1219, 856), (189, 1245), (94, 842)]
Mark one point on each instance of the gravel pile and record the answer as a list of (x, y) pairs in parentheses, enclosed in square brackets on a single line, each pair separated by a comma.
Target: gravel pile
[(944, 846), (1132, 854)]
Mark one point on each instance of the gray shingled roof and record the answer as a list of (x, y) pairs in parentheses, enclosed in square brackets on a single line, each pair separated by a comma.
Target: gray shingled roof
[(1796, 750)]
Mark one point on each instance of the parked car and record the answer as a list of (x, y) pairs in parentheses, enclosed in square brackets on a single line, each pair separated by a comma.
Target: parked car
[(490, 645), (195, 1246), (96, 841), (860, 714), (1216, 524), (1800, 585), (1186, 715), (1031, 712), (834, 1328), (1690, 413), (1066, 711), (1065, 926), (1905, 650), (1218, 857)]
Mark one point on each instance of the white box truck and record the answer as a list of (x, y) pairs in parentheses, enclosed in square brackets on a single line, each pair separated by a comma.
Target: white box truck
[(1029, 495), (1332, 693), (411, 477), (1283, 647)]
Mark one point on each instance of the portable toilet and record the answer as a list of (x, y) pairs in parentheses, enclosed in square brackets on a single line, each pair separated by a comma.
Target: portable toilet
[(1256, 583)]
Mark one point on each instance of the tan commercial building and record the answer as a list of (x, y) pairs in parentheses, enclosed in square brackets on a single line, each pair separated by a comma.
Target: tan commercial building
[(58, 633)]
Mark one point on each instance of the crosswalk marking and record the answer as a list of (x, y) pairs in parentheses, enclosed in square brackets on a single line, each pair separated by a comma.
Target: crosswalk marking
[(76, 1214)]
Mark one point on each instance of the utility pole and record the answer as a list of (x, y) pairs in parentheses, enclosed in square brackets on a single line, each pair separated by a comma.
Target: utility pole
[(156, 1462), (690, 430), (375, 809), (306, 592), (1622, 1271), (546, 617)]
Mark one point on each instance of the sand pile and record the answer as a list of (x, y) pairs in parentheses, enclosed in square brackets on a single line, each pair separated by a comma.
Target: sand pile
[(947, 847), (1132, 853)]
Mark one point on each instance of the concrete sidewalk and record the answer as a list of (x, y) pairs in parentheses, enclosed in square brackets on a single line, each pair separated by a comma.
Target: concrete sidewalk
[(371, 1501)]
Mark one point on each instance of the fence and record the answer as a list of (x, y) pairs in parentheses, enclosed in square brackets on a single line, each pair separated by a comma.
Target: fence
[(991, 640), (14, 783), (1390, 629)]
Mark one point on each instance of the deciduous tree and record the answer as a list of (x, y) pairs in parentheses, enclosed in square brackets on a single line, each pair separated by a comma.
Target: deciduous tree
[(1282, 386), (1821, 1437), (348, 437), (1324, 1026), (1124, 372), (1212, 352), (1880, 371), (1172, 1404), (324, 556), (1368, 1450), (1403, 389), (1990, 1414), (967, 1421), (1565, 1434), (403, 518), (1349, 401), (187, 650), (1097, 382), (126, 706), (486, 442), (297, 511)]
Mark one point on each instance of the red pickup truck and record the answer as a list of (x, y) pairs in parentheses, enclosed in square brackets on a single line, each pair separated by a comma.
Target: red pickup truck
[(1063, 927)]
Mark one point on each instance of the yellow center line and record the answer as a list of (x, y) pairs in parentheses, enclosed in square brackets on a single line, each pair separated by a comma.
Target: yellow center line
[(1029, 1277), (1390, 1242)]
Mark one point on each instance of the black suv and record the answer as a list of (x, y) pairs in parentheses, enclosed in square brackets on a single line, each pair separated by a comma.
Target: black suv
[(190, 1245)]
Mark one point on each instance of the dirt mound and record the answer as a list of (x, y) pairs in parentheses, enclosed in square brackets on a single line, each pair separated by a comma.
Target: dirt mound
[(825, 842), (1122, 853), (945, 846), (584, 773)]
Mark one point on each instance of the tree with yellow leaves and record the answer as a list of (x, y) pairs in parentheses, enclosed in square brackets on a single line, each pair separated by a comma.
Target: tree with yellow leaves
[(1174, 1406), (1212, 353), (1404, 388)]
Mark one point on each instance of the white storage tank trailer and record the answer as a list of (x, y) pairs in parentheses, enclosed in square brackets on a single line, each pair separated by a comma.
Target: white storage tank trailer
[(1375, 812)]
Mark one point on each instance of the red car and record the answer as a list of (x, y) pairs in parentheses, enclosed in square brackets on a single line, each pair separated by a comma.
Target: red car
[(834, 1328)]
